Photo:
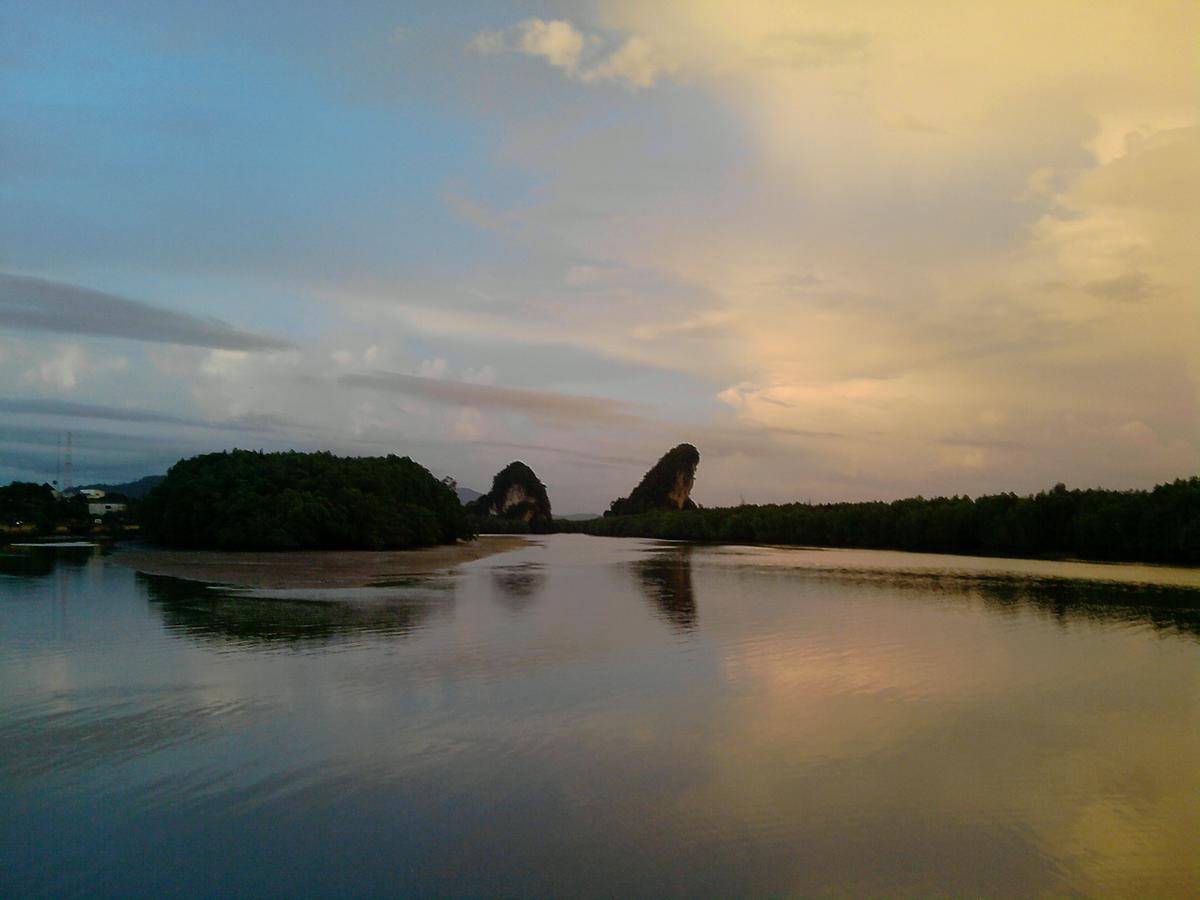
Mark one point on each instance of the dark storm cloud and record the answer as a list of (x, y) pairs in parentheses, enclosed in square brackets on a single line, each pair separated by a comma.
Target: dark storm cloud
[(35, 453), (35, 304), (70, 409)]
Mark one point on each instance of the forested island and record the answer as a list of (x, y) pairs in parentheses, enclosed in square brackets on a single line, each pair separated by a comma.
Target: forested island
[(247, 500)]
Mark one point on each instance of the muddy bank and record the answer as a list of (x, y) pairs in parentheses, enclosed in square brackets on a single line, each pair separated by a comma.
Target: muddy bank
[(329, 568)]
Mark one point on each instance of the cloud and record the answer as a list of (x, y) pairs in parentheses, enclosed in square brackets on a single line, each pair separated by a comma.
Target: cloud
[(705, 324), (635, 62), (1129, 287), (539, 404), (808, 49), (73, 410), (489, 43), (435, 368), (61, 371), (70, 366), (970, 237), (839, 233), (483, 375), (571, 453), (908, 122), (33, 452), (35, 304), (558, 42)]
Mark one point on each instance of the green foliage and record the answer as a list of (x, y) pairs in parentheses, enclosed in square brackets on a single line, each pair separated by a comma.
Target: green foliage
[(1162, 525), (245, 500), (656, 485)]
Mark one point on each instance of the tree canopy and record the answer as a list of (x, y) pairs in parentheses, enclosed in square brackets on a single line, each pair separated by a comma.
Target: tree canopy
[(247, 500)]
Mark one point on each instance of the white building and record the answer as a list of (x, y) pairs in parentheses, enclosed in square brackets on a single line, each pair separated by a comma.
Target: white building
[(101, 508)]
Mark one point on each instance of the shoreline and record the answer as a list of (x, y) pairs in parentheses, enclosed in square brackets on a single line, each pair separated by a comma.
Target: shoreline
[(310, 568)]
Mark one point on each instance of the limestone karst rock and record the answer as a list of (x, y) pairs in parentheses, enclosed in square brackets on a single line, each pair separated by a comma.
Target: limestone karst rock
[(666, 486), (516, 494)]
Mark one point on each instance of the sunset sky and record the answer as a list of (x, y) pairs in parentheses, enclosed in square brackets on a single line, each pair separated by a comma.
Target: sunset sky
[(850, 250)]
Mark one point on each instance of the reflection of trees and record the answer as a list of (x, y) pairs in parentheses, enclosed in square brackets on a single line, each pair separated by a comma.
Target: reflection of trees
[(37, 562), (1162, 606), (1166, 607), (516, 586), (210, 613), (666, 579)]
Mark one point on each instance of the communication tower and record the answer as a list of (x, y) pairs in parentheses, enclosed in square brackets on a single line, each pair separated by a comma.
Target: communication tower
[(68, 474)]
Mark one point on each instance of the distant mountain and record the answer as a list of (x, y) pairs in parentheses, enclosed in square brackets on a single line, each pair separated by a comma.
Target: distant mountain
[(466, 495), (579, 517), (137, 490)]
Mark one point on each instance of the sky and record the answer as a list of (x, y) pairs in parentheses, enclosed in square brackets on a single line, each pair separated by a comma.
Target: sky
[(850, 250)]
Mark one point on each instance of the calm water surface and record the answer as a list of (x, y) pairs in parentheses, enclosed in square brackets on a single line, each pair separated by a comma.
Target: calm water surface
[(602, 716)]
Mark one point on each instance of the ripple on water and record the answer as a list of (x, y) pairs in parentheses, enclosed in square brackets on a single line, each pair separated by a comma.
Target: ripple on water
[(108, 727), (606, 716)]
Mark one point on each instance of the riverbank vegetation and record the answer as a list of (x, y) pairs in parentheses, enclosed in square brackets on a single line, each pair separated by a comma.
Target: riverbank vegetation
[(243, 500), (1159, 525), (37, 509)]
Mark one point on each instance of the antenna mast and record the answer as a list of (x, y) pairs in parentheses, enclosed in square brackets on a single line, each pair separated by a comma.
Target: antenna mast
[(68, 474)]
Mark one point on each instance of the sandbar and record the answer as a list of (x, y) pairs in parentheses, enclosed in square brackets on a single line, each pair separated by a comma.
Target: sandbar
[(309, 568)]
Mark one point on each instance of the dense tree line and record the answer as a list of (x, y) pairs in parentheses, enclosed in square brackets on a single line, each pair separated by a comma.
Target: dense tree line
[(27, 505), (1160, 525), (248, 500)]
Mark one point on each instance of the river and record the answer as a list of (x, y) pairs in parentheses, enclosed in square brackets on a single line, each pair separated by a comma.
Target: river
[(593, 716)]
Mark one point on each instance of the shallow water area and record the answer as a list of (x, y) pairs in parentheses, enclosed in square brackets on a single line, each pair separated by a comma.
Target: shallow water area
[(603, 716)]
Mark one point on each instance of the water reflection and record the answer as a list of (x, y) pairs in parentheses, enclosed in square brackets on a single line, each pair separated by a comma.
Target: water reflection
[(210, 613), (836, 731), (37, 562), (516, 587), (666, 580), (1163, 607)]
